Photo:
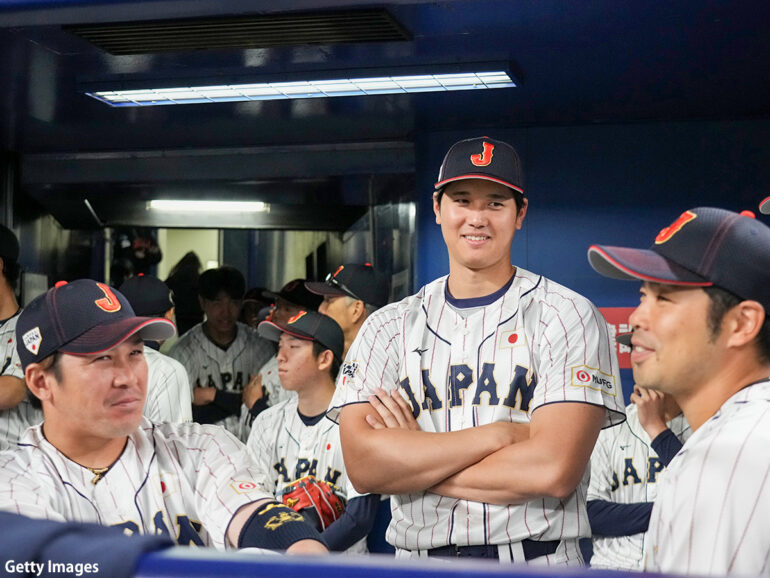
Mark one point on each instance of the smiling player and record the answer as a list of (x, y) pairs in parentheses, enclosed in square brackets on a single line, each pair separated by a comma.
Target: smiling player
[(508, 378)]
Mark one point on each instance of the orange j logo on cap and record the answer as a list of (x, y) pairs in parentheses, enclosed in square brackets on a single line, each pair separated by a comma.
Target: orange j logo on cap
[(483, 159), (109, 302), (675, 227)]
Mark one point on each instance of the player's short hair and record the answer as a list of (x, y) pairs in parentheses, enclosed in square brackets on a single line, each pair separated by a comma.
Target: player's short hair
[(368, 307), (318, 349), (721, 301), (517, 197), (49, 364), (225, 278), (11, 271)]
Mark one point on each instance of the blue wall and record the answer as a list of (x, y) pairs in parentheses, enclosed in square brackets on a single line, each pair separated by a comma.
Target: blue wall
[(616, 184)]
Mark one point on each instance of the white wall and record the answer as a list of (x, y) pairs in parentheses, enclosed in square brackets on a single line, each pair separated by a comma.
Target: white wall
[(176, 242)]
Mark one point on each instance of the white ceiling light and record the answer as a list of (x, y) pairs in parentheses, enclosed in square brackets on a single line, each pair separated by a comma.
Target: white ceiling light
[(306, 89), (182, 206)]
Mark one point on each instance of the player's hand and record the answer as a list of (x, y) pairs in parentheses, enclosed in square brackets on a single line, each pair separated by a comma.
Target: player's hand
[(254, 390), (307, 548), (651, 407), (203, 395), (393, 412)]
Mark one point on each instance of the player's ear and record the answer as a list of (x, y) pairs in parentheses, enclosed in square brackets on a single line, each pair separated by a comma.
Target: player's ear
[(39, 381), (522, 213), (357, 310), (437, 207), (742, 323), (170, 314), (324, 360)]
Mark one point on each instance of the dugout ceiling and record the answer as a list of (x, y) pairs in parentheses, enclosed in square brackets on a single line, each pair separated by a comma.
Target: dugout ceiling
[(578, 63)]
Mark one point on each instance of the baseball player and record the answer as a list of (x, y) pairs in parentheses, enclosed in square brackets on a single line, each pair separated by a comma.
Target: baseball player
[(626, 465), (96, 459), (265, 390), (350, 295), (701, 334), (221, 356), (477, 401), (292, 440), (168, 388), (16, 411)]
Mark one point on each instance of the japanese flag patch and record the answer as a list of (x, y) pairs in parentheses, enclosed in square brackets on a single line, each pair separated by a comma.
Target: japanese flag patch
[(32, 340), (511, 339)]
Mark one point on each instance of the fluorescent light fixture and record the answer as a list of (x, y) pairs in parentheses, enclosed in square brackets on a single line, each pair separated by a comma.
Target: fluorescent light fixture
[(306, 89), (212, 207)]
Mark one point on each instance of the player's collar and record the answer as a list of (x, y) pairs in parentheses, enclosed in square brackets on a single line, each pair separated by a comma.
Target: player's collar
[(477, 301)]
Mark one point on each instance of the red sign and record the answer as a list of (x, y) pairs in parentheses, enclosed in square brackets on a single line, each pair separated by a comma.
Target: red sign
[(617, 317)]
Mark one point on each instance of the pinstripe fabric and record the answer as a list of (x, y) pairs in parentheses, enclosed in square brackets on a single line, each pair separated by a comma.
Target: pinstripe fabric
[(14, 421), (626, 470), (169, 397), (538, 343), (285, 450), (186, 480), (710, 516)]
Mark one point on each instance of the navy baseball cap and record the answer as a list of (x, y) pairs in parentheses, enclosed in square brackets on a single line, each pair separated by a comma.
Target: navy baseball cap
[(9, 244), (308, 325), (764, 206), (148, 295), (482, 158), (83, 317), (361, 282), (295, 292), (704, 247)]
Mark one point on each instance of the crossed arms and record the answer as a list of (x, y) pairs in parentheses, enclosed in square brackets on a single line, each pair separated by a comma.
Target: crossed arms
[(497, 463)]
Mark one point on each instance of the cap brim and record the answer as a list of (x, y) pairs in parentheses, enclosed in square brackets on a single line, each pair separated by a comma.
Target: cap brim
[(322, 288), (270, 295), (104, 337), (272, 332), (624, 338), (445, 182), (641, 264), (764, 206)]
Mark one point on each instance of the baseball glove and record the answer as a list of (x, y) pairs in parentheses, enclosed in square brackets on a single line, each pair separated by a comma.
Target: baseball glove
[(315, 500)]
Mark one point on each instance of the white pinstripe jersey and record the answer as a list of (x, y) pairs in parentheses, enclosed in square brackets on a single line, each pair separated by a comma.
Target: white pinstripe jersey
[(184, 480), (286, 450), (626, 470), (710, 516), (210, 366), (14, 421), (537, 343), (169, 396)]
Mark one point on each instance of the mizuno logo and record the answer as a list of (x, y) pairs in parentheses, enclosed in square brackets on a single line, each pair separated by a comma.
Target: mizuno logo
[(419, 351)]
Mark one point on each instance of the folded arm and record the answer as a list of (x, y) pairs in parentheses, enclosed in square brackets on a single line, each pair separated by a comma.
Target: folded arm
[(399, 459), (550, 463)]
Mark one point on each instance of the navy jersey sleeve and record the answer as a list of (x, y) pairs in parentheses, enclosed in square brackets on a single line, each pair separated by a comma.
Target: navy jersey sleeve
[(355, 523), (611, 519), (666, 445)]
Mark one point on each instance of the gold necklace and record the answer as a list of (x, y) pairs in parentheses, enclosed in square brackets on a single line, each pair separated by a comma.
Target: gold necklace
[(98, 473)]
